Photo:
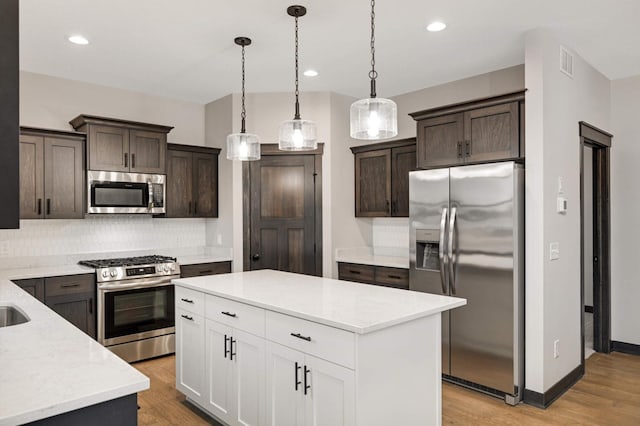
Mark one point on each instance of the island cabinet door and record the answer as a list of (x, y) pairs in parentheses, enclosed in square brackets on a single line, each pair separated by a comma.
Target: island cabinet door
[(330, 393), (219, 371), (285, 395), (249, 379), (190, 351)]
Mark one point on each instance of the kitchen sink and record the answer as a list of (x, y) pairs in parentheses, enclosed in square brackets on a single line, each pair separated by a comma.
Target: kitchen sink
[(11, 315)]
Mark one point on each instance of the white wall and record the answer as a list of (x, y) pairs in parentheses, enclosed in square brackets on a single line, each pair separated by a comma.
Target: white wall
[(555, 105), (625, 210)]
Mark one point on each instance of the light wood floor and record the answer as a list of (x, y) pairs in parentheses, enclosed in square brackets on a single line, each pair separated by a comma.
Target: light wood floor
[(609, 394)]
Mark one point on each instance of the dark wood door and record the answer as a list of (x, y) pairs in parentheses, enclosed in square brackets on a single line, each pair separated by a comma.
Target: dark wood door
[(373, 183), (403, 161), (31, 177), (179, 183), (33, 286), (439, 141), (492, 133), (283, 214), (147, 151), (78, 309), (205, 185), (64, 178), (108, 148)]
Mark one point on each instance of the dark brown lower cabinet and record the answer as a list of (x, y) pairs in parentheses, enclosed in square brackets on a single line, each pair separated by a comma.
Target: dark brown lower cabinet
[(74, 298), (371, 274), (33, 286), (201, 269)]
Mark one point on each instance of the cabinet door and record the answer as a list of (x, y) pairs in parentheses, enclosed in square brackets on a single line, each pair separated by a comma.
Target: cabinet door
[(492, 133), (438, 141), (108, 148), (33, 286), (285, 404), (248, 376), (179, 184), (63, 178), (31, 177), (147, 151), (330, 393), (373, 183), (205, 185), (219, 371), (403, 161), (190, 353), (77, 308)]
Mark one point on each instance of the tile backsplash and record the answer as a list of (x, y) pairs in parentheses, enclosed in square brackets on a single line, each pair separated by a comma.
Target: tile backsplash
[(99, 234), (390, 236)]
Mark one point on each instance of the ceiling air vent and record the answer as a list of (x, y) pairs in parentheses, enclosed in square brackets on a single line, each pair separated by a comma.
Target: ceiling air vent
[(566, 61)]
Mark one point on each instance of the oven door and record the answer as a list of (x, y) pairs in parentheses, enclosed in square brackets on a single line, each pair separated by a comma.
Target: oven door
[(136, 313)]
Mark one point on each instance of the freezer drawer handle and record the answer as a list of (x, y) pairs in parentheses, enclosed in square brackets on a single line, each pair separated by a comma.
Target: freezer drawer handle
[(300, 336), (443, 259), (452, 269)]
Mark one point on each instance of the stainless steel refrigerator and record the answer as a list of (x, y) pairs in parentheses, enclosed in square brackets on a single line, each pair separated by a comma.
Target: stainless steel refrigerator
[(467, 240)]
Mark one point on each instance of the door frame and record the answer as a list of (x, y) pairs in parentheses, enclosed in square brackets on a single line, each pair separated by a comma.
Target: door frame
[(269, 149), (600, 142)]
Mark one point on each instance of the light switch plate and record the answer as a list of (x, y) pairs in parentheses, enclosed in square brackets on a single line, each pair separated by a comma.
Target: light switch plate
[(554, 251), (561, 205)]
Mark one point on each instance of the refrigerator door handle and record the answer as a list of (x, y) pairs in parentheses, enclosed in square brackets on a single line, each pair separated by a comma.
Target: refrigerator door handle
[(452, 276), (443, 259)]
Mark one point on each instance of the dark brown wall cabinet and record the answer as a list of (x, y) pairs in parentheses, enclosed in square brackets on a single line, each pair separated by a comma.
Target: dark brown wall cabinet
[(382, 178), (51, 174), (123, 146), (192, 181), (201, 269), (480, 131), (371, 274), (73, 297)]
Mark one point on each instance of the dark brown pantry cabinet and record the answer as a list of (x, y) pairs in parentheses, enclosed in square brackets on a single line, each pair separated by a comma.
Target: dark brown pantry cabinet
[(484, 130), (51, 174), (382, 178), (192, 181), (123, 146)]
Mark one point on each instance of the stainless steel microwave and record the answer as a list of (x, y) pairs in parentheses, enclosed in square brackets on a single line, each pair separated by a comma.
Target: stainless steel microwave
[(125, 193)]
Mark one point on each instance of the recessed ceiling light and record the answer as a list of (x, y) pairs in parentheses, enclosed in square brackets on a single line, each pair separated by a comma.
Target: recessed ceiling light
[(310, 73), (436, 26), (78, 39)]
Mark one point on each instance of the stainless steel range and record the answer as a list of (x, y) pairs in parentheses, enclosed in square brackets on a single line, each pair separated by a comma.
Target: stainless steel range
[(136, 305)]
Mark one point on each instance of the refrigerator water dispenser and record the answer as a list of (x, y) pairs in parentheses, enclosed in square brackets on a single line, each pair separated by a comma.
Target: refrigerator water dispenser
[(427, 249)]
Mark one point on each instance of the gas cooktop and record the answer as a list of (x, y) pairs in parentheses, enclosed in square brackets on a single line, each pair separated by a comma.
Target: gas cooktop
[(127, 261)]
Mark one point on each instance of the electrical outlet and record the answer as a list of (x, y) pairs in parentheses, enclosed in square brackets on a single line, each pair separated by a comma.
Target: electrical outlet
[(556, 349), (4, 248)]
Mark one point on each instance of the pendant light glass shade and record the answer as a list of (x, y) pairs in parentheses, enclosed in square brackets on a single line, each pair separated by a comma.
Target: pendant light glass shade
[(374, 118)]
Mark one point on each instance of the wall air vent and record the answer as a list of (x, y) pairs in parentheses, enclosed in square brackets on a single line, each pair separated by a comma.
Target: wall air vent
[(566, 61)]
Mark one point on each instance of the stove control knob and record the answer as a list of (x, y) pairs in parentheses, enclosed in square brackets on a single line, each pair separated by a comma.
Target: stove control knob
[(172, 267), (159, 269), (113, 273), (105, 274), (166, 268)]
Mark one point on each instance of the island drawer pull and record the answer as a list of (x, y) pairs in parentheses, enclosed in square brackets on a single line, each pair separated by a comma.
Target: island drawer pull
[(300, 336), (187, 317), (229, 314), (187, 300)]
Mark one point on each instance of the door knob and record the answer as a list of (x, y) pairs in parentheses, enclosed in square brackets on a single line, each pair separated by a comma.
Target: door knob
[(256, 256)]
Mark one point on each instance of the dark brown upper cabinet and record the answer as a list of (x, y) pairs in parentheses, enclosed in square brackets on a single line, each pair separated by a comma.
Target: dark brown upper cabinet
[(382, 178), (51, 174), (123, 146), (484, 130), (192, 181)]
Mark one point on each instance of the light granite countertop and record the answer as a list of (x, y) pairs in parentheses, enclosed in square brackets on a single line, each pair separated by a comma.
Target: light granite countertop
[(49, 367), (359, 308), (369, 256)]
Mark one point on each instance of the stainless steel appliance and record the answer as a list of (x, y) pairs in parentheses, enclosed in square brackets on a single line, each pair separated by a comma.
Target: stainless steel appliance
[(136, 306), (115, 192), (467, 240)]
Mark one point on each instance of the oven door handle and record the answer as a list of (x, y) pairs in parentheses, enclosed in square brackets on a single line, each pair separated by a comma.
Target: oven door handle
[(148, 282)]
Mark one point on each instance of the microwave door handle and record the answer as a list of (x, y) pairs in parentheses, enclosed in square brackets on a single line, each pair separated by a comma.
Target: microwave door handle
[(441, 256), (150, 186), (452, 272)]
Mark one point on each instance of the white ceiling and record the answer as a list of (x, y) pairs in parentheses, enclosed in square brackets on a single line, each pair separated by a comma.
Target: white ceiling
[(184, 48)]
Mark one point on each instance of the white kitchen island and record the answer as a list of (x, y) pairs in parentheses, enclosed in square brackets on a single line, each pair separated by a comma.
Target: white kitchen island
[(276, 348)]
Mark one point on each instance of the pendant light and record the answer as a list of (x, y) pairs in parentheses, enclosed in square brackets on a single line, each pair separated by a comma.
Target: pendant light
[(243, 146), (297, 134), (374, 118)]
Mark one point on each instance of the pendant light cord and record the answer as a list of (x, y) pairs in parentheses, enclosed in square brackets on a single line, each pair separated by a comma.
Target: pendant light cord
[(244, 111), (297, 113), (373, 74)]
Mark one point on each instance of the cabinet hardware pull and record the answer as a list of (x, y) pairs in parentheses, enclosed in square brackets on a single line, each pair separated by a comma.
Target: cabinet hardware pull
[(297, 382), (460, 149), (232, 353), (468, 147), (226, 351), (395, 277), (39, 206), (229, 314), (195, 207), (48, 206), (133, 161), (300, 336), (70, 285), (354, 272), (208, 271), (388, 207), (306, 387), (126, 159), (187, 300), (187, 317)]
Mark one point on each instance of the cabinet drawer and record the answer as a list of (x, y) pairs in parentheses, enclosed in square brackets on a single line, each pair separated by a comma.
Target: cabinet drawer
[(190, 300), (356, 272), (329, 343), (70, 284), (200, 269), (392, 277), (235, 314)]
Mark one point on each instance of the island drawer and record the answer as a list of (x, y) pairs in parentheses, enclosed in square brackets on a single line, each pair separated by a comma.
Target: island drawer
[(69, 284), (235, 314), (329, 343), (356, 272), (190, 300)]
